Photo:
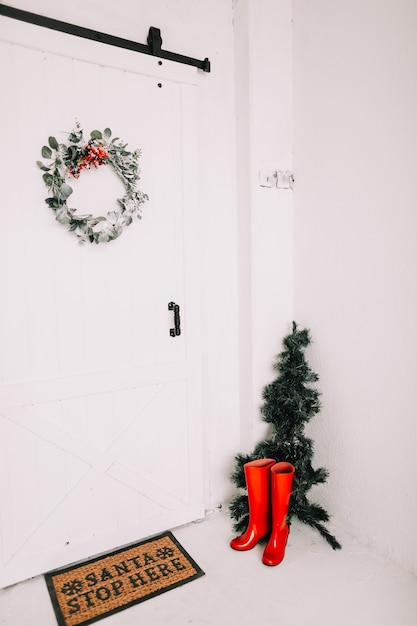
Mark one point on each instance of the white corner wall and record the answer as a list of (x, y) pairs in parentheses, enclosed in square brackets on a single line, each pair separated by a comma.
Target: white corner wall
[(263, 59), (355, 203)]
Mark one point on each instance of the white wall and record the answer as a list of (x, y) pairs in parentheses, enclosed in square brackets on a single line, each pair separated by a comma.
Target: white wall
[(263, 58), (355, 161), (198, 29)]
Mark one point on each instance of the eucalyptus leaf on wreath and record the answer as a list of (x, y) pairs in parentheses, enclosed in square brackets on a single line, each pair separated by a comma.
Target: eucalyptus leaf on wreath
[(46, 152)]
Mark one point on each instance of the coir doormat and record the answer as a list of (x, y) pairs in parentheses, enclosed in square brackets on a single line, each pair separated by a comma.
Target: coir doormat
[(86, 592)]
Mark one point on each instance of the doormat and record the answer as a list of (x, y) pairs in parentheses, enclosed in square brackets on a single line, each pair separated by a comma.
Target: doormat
[(86, 592)]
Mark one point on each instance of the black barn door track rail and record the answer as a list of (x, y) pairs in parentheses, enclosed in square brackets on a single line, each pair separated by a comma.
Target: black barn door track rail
[(154, 37)]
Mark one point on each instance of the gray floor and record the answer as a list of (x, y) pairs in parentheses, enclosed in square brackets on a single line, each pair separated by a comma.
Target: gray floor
[(313, 586)]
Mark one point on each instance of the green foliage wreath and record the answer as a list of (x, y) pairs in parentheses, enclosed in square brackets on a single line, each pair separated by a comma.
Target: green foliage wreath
[(68, 161)]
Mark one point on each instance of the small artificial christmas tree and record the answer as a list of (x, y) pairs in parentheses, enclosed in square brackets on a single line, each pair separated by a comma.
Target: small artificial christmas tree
[(290, 402)]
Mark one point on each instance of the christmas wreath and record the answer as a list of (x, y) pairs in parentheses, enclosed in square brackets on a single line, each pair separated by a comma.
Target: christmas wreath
[(69, 160)]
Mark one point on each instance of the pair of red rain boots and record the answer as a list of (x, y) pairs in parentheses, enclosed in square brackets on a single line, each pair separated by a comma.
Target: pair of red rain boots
[(269, 489)]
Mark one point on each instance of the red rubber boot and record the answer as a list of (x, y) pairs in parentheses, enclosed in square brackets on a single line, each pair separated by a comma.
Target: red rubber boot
[(258, 482), (282, 475)]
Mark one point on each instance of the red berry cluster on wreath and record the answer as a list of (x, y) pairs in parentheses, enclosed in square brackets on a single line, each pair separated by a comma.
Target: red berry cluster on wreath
[(93, 156)]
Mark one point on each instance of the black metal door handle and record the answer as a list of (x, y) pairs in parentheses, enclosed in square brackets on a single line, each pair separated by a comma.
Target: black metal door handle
[(174, 332)]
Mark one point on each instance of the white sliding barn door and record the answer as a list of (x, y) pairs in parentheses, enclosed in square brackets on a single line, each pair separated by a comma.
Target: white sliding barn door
[(100, 408)]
